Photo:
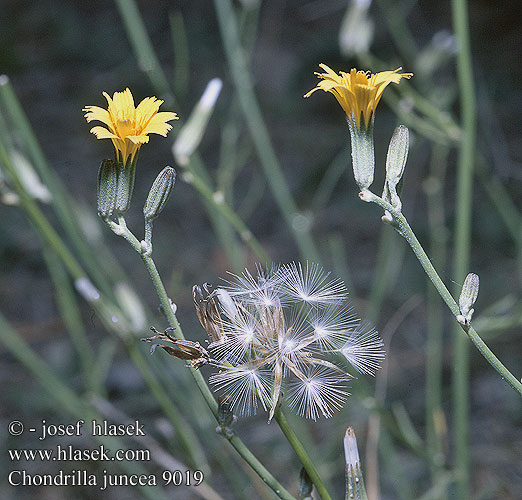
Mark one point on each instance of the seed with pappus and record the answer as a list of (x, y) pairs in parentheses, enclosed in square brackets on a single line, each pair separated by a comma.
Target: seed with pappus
[(288, 329)]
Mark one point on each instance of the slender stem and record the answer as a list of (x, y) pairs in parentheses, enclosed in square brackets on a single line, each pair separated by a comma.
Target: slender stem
[(500, 198), (401, 225), (142, 46), (69, 310), (52, 238), (61, 201), (165, 302), (148, 232), (56, 244), (301, 454), (65, 397), (390, 254), (462, 239), (192, 177), (54, 241), (260, 469), (258, 130), (435, 318), (184, 432), (38, 219), (235, 441), (166, 306)]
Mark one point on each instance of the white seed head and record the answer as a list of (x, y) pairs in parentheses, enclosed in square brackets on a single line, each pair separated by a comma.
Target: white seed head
[(364, 349), (280, 328)]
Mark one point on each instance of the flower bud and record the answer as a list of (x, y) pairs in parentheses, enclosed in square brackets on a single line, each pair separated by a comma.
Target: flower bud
[(357, 29), (395, 163), (468, 296), (225, 417), (131, 306), (354, 479), (159, 193), (107, 188), (126, 172), (192, 132), (305, 487), (397, 154)]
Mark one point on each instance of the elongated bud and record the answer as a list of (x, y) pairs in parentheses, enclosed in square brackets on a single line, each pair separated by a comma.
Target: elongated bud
[(159, 193), (395, 163), (305, 487), (226, 418), (357, 29), (131, 305), (107, 188), (397, 154), (355, 489), (192, 132), (28, 177), (363, 155), (468, 296), (126, 173)]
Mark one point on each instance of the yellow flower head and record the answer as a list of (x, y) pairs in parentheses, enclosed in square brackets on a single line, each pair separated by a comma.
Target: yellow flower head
[(127, 126), (358, 92)]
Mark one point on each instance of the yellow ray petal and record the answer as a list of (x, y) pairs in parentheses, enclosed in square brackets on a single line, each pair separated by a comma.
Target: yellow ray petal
[(127, 126), (358, 92)]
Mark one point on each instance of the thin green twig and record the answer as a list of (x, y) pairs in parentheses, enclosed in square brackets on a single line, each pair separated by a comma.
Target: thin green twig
[(69, 309), (104, 308), (433, 187), (166, 306), (463, 240), (401, 225), (244, 86), (61, 202), (65, 397), (142, 46), (190, 176), (301, 454)]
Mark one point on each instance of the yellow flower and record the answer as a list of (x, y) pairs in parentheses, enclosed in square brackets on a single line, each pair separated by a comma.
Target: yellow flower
[(128, 126), (358, 92)]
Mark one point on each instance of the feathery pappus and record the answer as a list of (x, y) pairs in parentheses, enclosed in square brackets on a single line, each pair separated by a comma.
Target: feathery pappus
[(288, 328)]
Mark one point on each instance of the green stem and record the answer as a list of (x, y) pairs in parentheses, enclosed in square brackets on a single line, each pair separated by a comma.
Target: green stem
[(167, 309), (77, 272), (61, 202), (258, 130), (462, 239), (69, 310), (258, 467), (435, 319), (56, 244), (38, 219), (65, 397), (193, 178), (235, 441), (390, 255), (184, 432), (401, 225), (301, 454), (142, 46)]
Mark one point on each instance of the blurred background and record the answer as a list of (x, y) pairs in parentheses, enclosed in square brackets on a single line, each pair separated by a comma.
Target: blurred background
[(60, 56)]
